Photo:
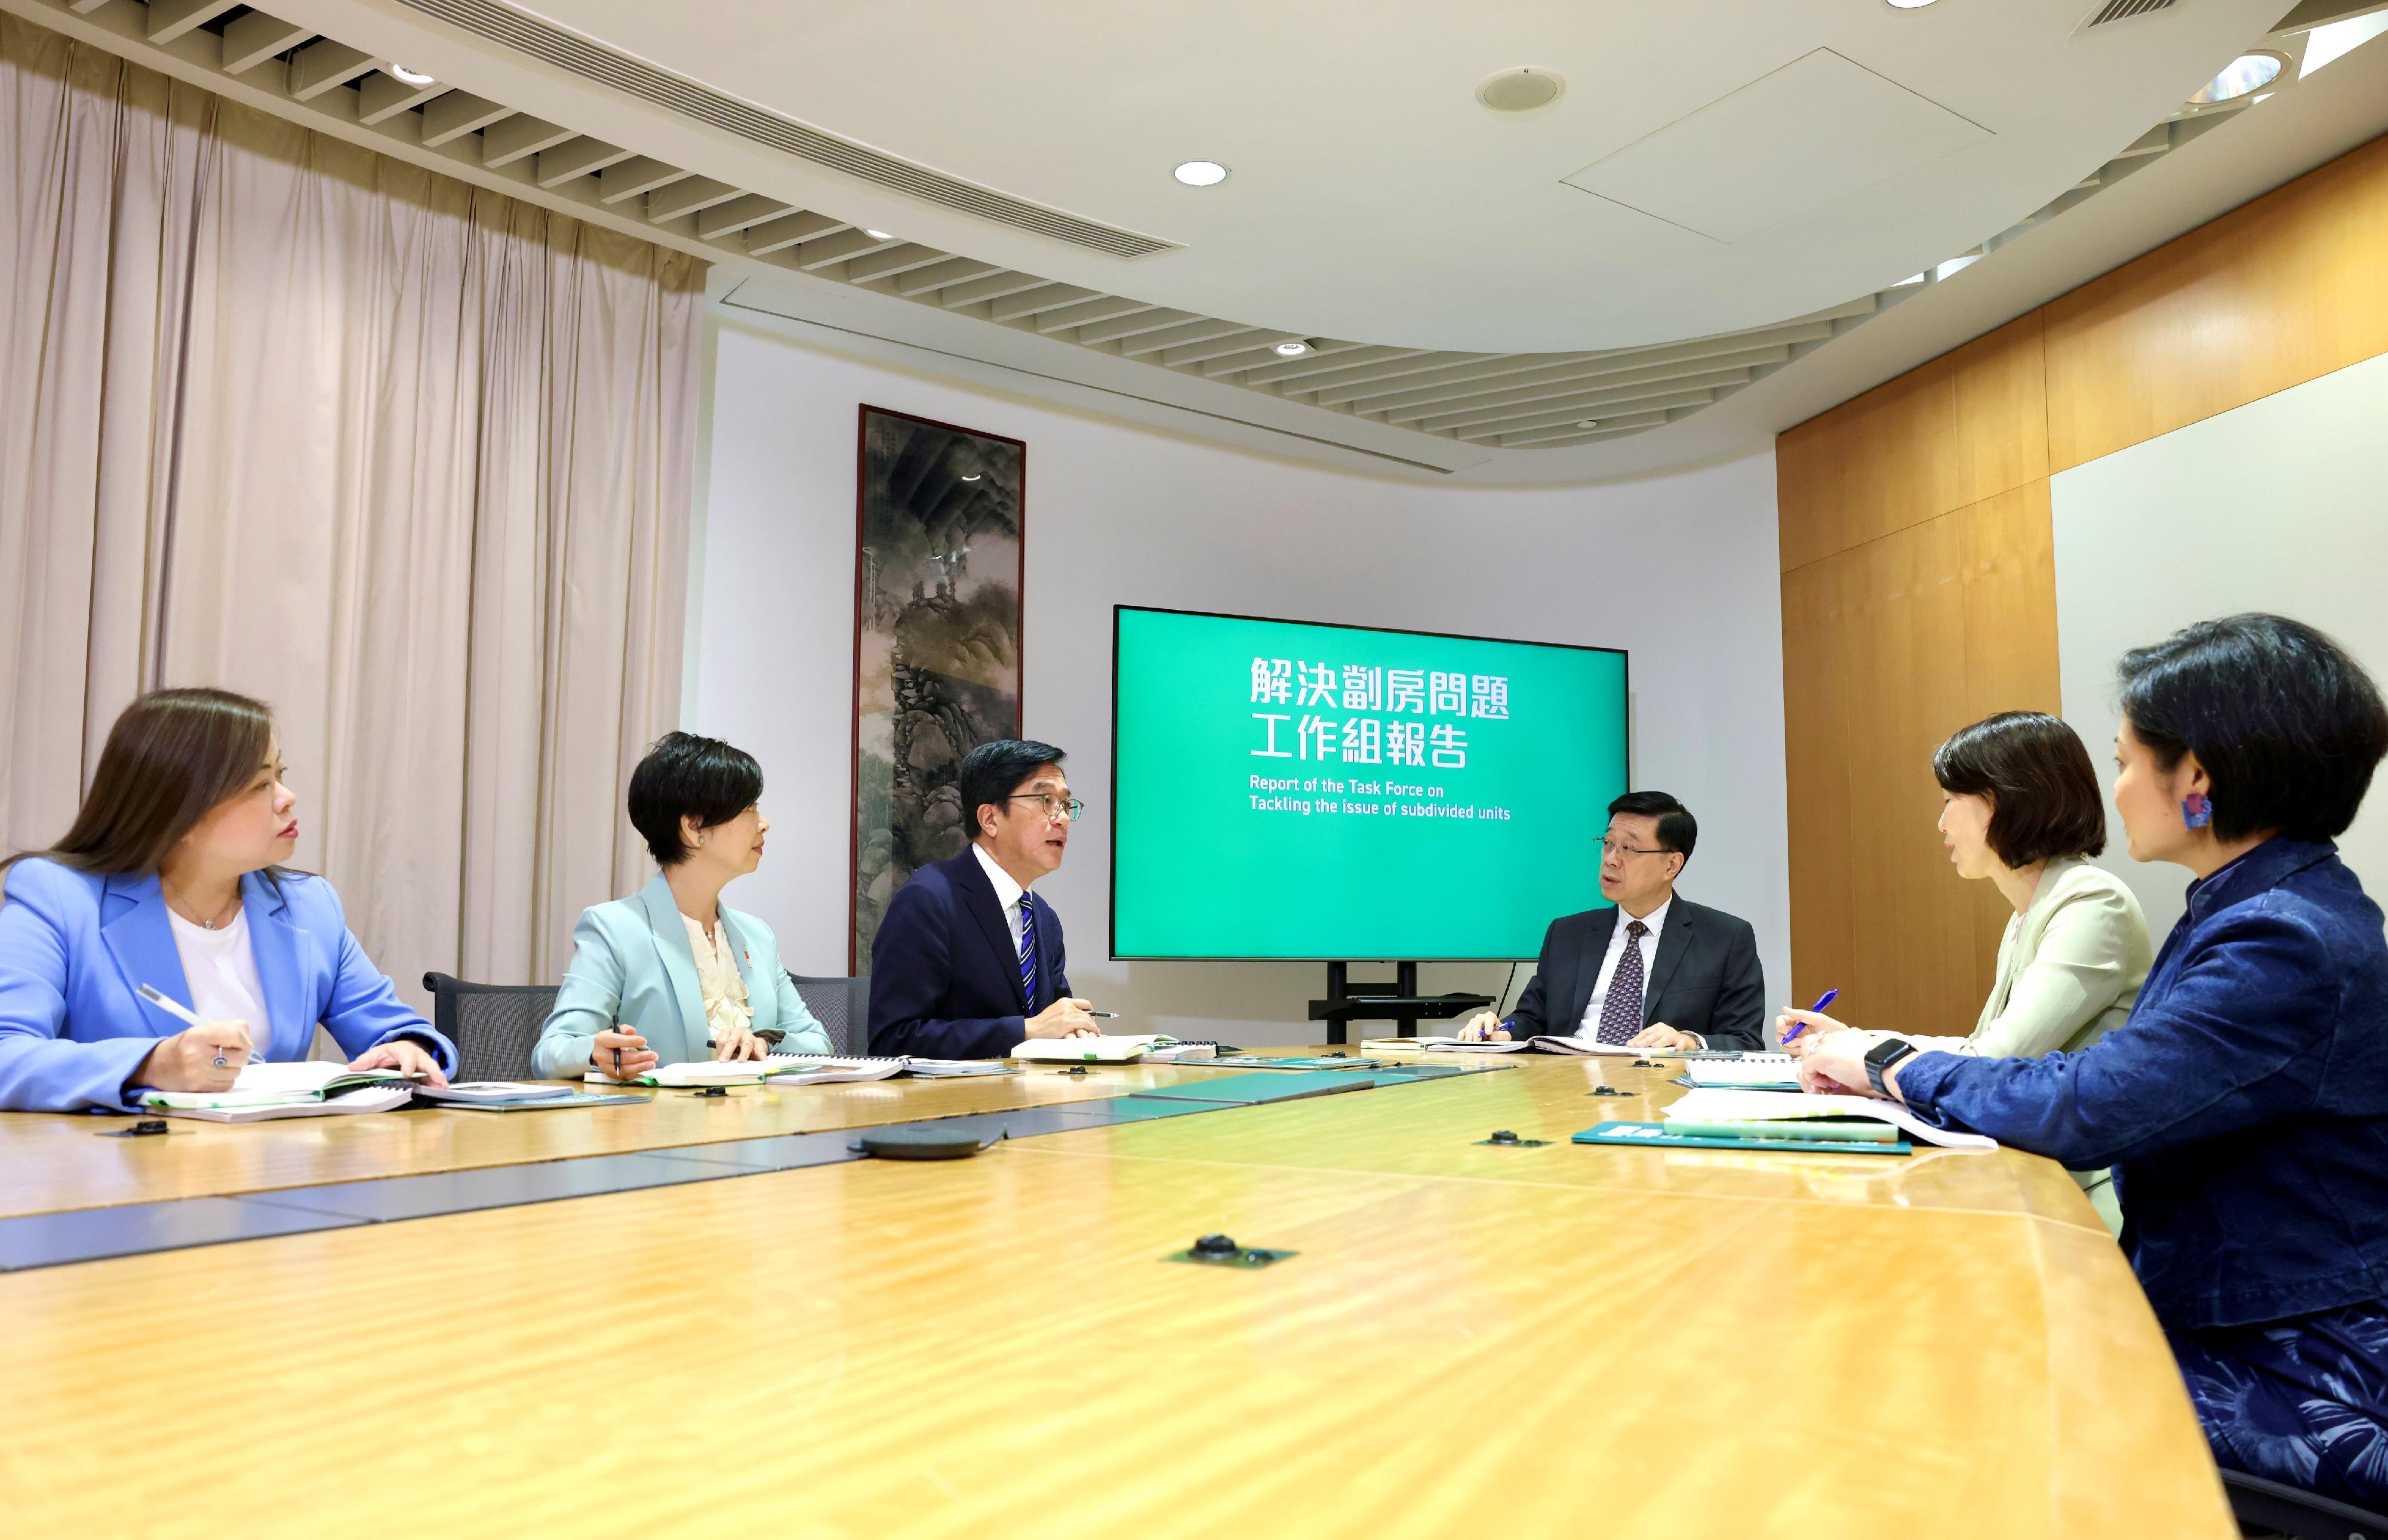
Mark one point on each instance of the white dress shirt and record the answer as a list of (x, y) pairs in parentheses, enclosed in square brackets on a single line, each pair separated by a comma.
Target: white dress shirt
[(1007, 893), (1657, 920), (220, 967)]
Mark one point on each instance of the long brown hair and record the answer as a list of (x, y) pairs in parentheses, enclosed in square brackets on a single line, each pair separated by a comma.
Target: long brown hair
[(171, 758)]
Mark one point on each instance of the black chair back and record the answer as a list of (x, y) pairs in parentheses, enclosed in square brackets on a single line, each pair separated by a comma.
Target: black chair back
[(843, 1007), (493, 1026), (2269, 1507)]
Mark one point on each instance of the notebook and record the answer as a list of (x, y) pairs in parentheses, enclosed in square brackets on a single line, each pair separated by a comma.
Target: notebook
[(1443, 1045), (1601, 1050), (1749, 1072), (307, 1088), (1667, 1136), (514, 1096), (779, 1070), (230, 1108), (1158, 1046), (1716, 1106)]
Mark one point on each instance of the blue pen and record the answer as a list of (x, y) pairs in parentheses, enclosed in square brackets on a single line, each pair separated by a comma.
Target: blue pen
[(1816, 1009)]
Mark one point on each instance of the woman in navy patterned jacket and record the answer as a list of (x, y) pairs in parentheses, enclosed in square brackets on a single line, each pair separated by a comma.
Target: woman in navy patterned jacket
[(2244, 1106)]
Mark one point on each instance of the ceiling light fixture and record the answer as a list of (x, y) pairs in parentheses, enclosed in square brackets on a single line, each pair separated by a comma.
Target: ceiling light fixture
[(1292, 349), (1909, 5), (1201, 173), (2247, 72), (401, 73), (974, 475), (878, 235), (1589, 422), (1519, 89)]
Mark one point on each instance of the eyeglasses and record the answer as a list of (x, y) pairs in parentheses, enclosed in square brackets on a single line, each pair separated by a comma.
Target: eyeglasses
[(1613, 846), (1070, 808)]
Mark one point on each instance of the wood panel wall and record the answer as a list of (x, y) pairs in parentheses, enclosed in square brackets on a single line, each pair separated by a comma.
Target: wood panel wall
[(1919, 585)]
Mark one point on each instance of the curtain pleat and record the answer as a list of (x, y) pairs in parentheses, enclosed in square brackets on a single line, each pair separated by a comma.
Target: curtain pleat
[(408, 460)]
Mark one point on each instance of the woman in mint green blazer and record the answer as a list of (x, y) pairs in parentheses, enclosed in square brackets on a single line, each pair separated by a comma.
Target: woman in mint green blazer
[(672, 974)]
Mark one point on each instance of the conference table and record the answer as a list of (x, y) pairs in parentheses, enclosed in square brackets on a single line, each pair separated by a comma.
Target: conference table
[(1469, 1339)]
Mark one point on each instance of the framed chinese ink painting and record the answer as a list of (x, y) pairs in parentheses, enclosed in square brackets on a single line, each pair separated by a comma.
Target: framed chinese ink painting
[(936, 646)]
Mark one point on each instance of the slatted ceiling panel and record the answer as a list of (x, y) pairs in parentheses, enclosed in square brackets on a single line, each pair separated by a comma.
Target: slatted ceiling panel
[(1569, 417), (576, 158), (1100, 308), (1581, 403), (995, 287), (1148, 319), (1244, 342), (1249, 362), (450, 118), (250, 39), (1048, 296), (1205, 329), (171, 19), (1496, 395), (1401, 365), (324, 64), (1610, 427), (1282, 370), (790, 229), (518, 138), (381, 96), (638, 175), (732, 215), (828, 251), (902, 258), (952, 272)]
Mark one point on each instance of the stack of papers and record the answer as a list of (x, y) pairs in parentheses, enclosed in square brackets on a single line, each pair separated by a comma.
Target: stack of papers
[(1158, 1046), (514, 1096), (1714, 1106), (779, 1068), (1443, 1045), (306, 1089)]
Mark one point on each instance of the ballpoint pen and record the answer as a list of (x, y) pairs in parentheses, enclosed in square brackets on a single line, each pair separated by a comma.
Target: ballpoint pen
[(1799, 1026), (182, 1013)]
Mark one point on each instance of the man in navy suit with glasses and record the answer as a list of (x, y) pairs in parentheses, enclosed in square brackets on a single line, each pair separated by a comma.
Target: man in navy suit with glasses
[(1654, 971), (969, 963)]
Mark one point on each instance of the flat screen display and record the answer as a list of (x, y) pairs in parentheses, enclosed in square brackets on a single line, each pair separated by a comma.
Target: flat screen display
[(1287, 789)]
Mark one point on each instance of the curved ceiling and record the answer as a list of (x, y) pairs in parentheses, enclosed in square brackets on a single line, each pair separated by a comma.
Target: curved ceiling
[(1714, 165)]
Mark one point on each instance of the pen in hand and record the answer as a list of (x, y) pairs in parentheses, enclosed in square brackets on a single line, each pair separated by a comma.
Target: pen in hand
[(182, 1013), (1816, 1009), (1107, 1015)]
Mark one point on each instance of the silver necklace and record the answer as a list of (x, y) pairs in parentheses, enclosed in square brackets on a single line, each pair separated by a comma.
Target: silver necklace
[(208, 924)]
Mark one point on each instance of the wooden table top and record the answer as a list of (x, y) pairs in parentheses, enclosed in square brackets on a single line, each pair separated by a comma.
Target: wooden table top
[(1473, 1341), (58, 1161)]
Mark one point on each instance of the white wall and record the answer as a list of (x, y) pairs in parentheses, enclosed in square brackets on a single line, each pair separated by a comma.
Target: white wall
[(2276, 505), (1682, 571)]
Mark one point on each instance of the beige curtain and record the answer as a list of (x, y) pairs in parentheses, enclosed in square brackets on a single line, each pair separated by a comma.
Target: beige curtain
[(408, 459)]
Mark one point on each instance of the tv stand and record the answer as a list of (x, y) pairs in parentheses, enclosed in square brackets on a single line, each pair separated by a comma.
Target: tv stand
[(1398, 1001)]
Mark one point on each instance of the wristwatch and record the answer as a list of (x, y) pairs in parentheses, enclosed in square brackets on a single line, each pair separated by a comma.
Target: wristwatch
[(1881, 1056)]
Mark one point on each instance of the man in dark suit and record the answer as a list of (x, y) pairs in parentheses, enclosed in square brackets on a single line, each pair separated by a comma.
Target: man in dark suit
[(967, 962), (1673, 974)]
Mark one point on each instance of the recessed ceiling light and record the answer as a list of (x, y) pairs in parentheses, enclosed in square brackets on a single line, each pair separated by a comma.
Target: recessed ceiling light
[(410, 77), (878, 235), (1589, 422), (1201, 173), (2247, 72), (1909, 5), (1292, 349), (1519, 89), (974, 475)]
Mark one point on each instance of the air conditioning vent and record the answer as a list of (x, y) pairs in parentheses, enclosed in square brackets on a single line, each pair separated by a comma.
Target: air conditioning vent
[(568, 51), (2124, 10)]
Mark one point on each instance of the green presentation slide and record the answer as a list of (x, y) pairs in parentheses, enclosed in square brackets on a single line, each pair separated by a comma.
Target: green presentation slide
[(1294, 790)]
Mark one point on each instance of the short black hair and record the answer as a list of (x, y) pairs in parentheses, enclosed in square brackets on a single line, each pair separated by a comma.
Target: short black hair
[(2288, 727), (687, 777), (991, 772), (1677, 830), (2042, 789)]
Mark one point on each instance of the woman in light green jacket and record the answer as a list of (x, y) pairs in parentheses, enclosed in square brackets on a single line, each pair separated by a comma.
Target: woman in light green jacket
[(2020, 807)]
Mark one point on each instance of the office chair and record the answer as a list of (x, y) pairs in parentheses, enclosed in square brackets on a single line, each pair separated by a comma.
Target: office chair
[(493, 1026), (842, 1008), (2270, 1507)]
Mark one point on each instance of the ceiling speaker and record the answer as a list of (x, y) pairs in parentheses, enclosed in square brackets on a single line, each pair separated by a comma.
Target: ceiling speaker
[(1519, 89)]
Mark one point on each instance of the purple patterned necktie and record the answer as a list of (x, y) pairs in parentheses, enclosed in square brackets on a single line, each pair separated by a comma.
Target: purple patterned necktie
[(1620, 1014), (1028, 950)]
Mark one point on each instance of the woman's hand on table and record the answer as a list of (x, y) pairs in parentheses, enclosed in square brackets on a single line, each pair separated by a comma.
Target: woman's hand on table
[(622, 1054), (736, 1044), (405, 1055)]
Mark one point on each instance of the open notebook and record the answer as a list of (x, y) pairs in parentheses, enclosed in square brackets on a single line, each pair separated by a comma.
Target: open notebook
[(305, 1089), (1713, 1106), (1443, 1045), (779, 1068), (1158, 1046)]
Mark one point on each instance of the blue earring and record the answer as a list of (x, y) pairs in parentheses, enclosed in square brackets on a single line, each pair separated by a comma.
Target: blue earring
[(2196, 811)]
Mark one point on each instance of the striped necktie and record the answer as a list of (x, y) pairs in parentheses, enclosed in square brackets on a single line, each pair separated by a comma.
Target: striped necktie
[(1028, 951), (1620, 1014)]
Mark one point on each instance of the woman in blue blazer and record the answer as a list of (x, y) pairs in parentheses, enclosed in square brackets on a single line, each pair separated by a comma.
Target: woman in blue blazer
[(2244, 1105), (172, 878), (671, 974)]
